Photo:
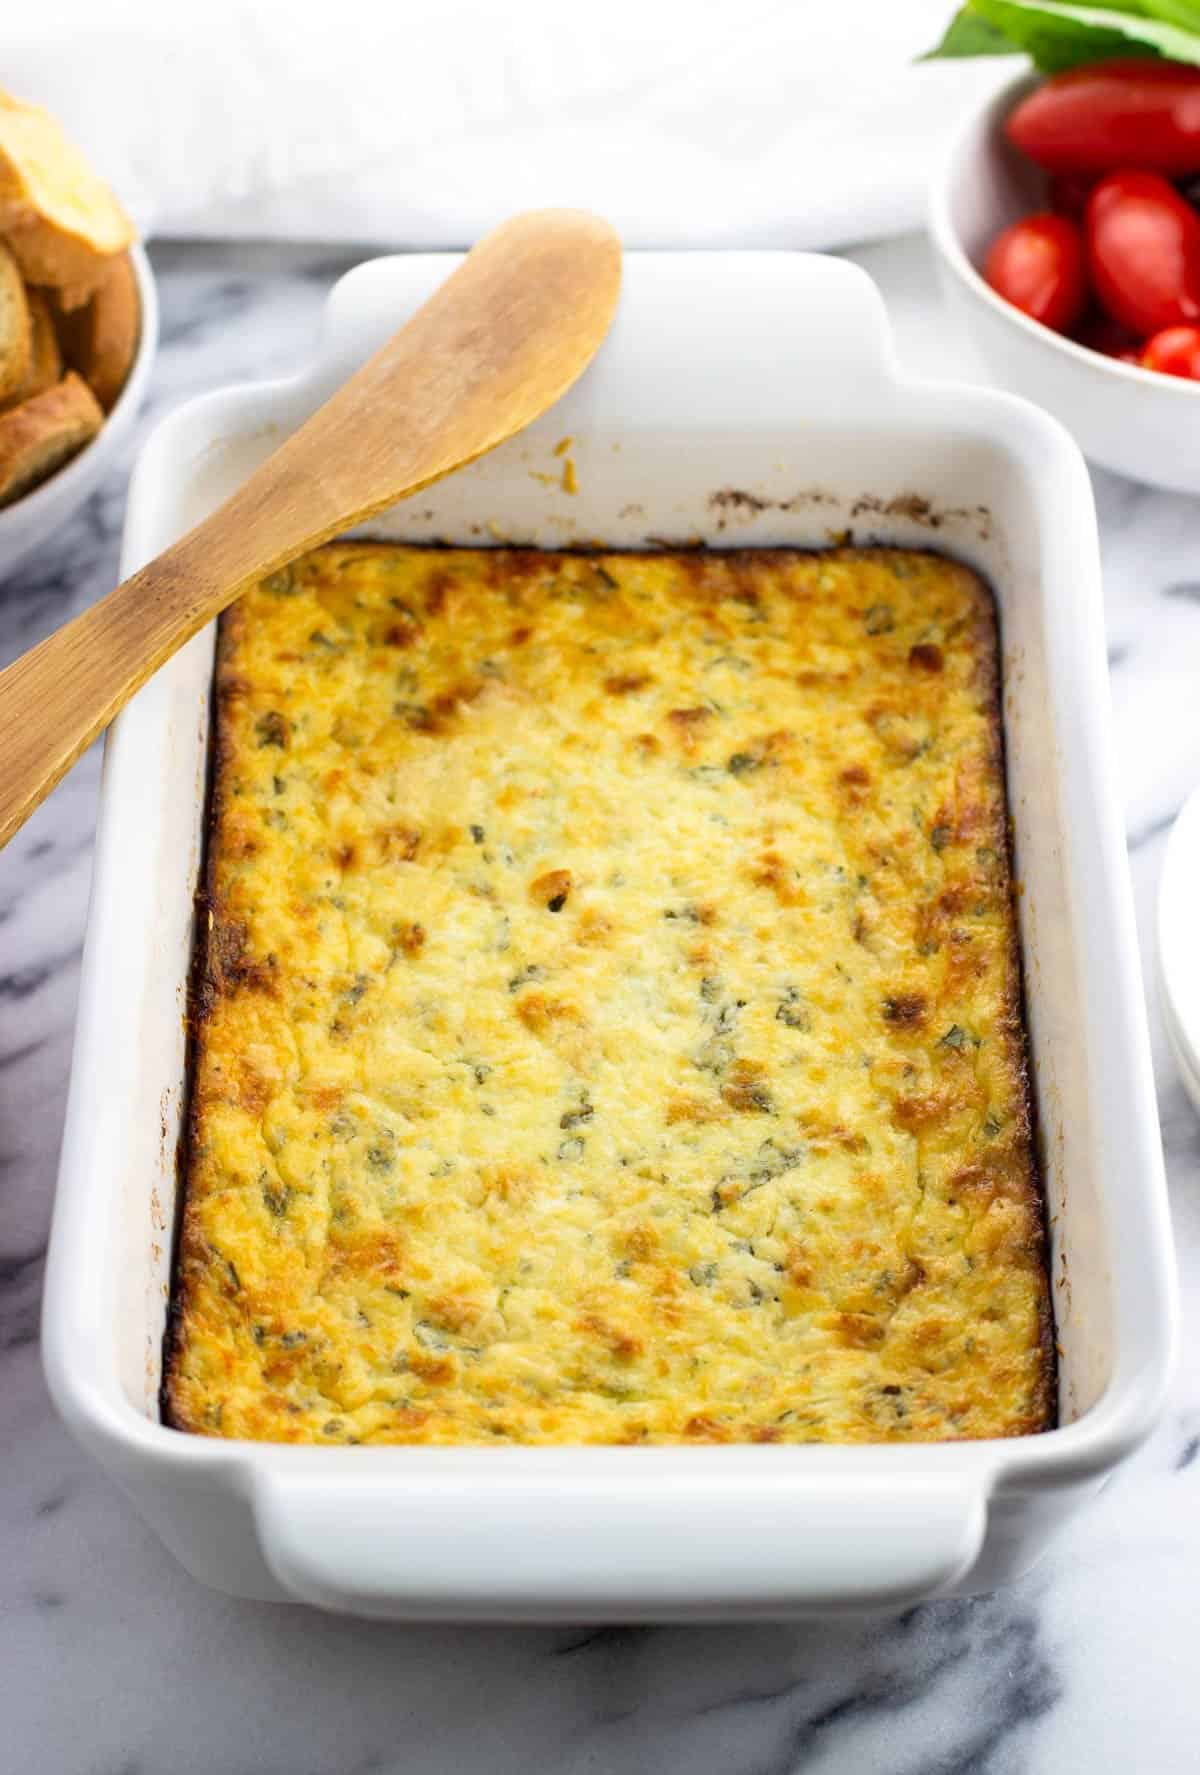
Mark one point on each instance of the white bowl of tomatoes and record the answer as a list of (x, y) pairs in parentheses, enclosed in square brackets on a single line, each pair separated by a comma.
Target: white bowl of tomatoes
[(1070, 244)]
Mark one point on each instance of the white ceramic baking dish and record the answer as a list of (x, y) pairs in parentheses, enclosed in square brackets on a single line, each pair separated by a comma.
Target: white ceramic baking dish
[(742, 398)]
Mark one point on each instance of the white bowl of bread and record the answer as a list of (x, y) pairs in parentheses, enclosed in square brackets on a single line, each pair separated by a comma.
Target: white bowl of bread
[(78, 327)]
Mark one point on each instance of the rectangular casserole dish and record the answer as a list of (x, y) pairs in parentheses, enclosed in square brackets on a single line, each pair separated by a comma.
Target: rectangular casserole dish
[(741, 399)]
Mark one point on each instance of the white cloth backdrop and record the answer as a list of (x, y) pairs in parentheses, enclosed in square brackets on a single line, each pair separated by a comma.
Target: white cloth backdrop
[(420, 122)]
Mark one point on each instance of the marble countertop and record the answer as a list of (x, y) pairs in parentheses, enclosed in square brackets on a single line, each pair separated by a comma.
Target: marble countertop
[(117, 1663)]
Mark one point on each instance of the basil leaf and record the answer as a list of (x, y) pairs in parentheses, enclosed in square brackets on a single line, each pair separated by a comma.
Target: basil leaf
[(1184, 13), (967, 35), (1061, 34)]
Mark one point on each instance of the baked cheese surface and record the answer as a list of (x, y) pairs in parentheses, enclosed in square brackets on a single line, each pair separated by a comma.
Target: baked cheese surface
[(608, 1021)]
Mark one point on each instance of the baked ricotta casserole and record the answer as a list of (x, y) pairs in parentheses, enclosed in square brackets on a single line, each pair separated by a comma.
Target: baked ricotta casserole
[(607, 1020)]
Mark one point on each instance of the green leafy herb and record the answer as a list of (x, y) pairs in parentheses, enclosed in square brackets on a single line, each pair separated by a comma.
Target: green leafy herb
[(968, 34), (1060, 34)]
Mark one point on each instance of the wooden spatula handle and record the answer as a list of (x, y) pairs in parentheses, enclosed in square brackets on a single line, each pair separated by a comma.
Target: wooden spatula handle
[(505, 335), (46, 721), (59, 696)]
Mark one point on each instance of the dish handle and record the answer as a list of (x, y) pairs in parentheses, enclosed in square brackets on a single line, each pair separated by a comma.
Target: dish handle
[(495, 1546)]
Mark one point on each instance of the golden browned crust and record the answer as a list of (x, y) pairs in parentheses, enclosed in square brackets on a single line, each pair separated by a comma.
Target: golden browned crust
[(45, 358), (16, 336), (60, 219), (607, 1023), (40, 434), (101, 336)]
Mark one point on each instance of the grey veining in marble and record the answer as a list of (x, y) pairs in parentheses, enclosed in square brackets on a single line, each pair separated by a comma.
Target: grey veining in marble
[(113, 1662)]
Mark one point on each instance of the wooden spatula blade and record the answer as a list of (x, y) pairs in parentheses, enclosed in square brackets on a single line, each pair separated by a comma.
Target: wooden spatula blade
[(496, 345)]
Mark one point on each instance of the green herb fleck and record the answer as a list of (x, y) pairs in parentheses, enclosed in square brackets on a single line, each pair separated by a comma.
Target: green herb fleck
[(272, 729), (414, 715), (772, 1161), (792, 1011), (880, 619), (276, 1197)]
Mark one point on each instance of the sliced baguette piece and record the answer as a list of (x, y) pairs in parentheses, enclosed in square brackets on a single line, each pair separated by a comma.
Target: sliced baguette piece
[(100, 339), (45, 357), (16, 330), (41, 434), (62, 221)]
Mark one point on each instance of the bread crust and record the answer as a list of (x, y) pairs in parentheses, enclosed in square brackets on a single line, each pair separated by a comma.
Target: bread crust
[(39, 435), (16, 333), (100, 339), (62, 222), (45, 356)]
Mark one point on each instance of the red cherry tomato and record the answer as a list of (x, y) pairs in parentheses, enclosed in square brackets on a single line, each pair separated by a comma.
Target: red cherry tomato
[(1126, 113), (1175, 352), (1037, 265), (1068, 194), (1100, 333), (1143, 245)]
